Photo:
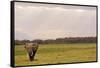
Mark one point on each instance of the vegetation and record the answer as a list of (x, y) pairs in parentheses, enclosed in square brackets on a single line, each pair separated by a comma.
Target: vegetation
[(60, 40), (57, 53)]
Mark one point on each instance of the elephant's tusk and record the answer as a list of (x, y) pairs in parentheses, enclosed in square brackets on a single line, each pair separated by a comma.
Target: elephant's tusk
[(32, 53)]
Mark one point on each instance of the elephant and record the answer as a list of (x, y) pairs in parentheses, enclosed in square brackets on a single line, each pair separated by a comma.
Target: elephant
[(31, 48)]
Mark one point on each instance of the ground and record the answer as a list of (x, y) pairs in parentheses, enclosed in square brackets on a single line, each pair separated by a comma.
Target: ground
[(57, 53)]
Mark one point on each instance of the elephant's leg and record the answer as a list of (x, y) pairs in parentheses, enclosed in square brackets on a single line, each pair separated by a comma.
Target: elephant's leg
[(34, 52), (30, 56)]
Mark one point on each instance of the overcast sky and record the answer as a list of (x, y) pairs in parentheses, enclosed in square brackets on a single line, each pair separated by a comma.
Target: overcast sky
[(46, 21)]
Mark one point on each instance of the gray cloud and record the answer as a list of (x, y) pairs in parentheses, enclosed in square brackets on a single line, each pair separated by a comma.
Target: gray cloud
[(45, 21)]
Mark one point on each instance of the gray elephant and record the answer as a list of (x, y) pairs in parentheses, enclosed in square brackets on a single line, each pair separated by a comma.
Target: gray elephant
[(31, 49)]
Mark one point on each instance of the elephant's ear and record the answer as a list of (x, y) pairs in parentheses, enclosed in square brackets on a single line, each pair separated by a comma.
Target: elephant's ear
[(24, 46), (37, 45)]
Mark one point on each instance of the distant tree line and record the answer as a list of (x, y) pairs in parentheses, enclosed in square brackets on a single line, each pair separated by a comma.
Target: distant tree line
[(59, 40)]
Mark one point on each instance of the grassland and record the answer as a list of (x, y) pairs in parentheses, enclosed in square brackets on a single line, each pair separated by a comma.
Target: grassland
[(57, 53)]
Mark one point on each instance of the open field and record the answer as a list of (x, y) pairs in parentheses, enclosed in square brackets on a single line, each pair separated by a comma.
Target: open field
[(57, 53)]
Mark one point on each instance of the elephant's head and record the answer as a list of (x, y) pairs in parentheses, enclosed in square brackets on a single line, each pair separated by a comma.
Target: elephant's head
[(31, 49)]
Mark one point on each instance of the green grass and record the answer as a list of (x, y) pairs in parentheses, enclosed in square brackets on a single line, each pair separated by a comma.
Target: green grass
[(57, 53)]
